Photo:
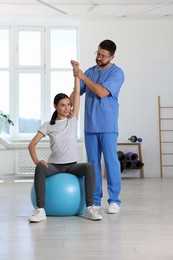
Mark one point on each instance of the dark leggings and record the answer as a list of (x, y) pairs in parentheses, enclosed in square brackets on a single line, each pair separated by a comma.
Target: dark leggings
[(78, 169)]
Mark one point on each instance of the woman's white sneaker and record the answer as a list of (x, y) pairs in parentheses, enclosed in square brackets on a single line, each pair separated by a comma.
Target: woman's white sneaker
[(113, 208), (97, 209), (38, 215), (92, 214)]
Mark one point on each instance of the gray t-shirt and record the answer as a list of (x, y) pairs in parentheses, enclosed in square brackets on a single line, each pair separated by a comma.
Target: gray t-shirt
[(63, 140)]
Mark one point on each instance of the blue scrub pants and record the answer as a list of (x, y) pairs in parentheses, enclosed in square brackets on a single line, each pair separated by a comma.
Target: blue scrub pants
[(105, 143)]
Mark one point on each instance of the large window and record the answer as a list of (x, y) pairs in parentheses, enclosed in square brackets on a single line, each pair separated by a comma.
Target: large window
[(4, 75), (34, 67), (29, 102)]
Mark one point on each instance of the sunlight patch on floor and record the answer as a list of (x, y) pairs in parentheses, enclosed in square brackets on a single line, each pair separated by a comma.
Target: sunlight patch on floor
[(23, 180)]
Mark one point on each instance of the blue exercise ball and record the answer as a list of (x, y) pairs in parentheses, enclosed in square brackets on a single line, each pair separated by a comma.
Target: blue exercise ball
[(65, 195)]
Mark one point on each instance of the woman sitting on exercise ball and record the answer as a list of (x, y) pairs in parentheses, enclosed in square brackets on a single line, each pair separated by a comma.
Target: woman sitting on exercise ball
[(62, 131)]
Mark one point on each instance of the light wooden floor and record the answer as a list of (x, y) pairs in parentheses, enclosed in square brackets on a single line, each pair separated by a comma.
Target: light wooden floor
[(142, 231)]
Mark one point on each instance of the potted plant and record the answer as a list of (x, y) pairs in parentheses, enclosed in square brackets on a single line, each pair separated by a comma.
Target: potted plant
[(4, 121)]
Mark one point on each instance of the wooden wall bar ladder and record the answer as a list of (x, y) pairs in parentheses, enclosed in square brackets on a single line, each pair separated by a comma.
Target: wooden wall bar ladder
[(165, 114)]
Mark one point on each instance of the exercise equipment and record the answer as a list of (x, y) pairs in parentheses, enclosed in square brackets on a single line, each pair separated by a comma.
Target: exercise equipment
[(65, 195), (127, 164), (134, 139), (138, 164), (132, 156), (121, 156), (129, 161)]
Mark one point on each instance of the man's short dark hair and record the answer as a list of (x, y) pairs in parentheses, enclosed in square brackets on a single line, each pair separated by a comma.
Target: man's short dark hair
[(109, 46)]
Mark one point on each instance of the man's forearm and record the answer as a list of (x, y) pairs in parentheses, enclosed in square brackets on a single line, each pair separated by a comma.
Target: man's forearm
[(97, 89)]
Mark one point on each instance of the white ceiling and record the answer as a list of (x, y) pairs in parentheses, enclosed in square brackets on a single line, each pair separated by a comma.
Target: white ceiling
[(86, 9)]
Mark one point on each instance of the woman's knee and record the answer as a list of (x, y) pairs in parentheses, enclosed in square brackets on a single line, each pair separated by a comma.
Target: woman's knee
[(89, 168), (40, 168)]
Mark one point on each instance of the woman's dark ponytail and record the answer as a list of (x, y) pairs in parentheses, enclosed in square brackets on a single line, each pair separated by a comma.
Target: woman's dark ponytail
[(53, 118)]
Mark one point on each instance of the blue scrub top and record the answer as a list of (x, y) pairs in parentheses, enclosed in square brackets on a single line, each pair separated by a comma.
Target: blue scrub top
[(101, 114)]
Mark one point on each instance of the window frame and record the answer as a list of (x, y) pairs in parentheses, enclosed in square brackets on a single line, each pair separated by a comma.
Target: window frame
[(44, 68)]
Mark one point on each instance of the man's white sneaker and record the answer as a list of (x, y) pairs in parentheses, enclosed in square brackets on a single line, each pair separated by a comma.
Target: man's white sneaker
[(92, 214), (113, 208), (38, 215)]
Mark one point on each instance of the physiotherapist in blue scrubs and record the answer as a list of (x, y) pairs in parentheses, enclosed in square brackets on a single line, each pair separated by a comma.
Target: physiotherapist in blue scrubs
[(101, 84)]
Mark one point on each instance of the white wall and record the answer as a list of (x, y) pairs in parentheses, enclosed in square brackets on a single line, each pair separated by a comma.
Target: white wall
[(145, 53)]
